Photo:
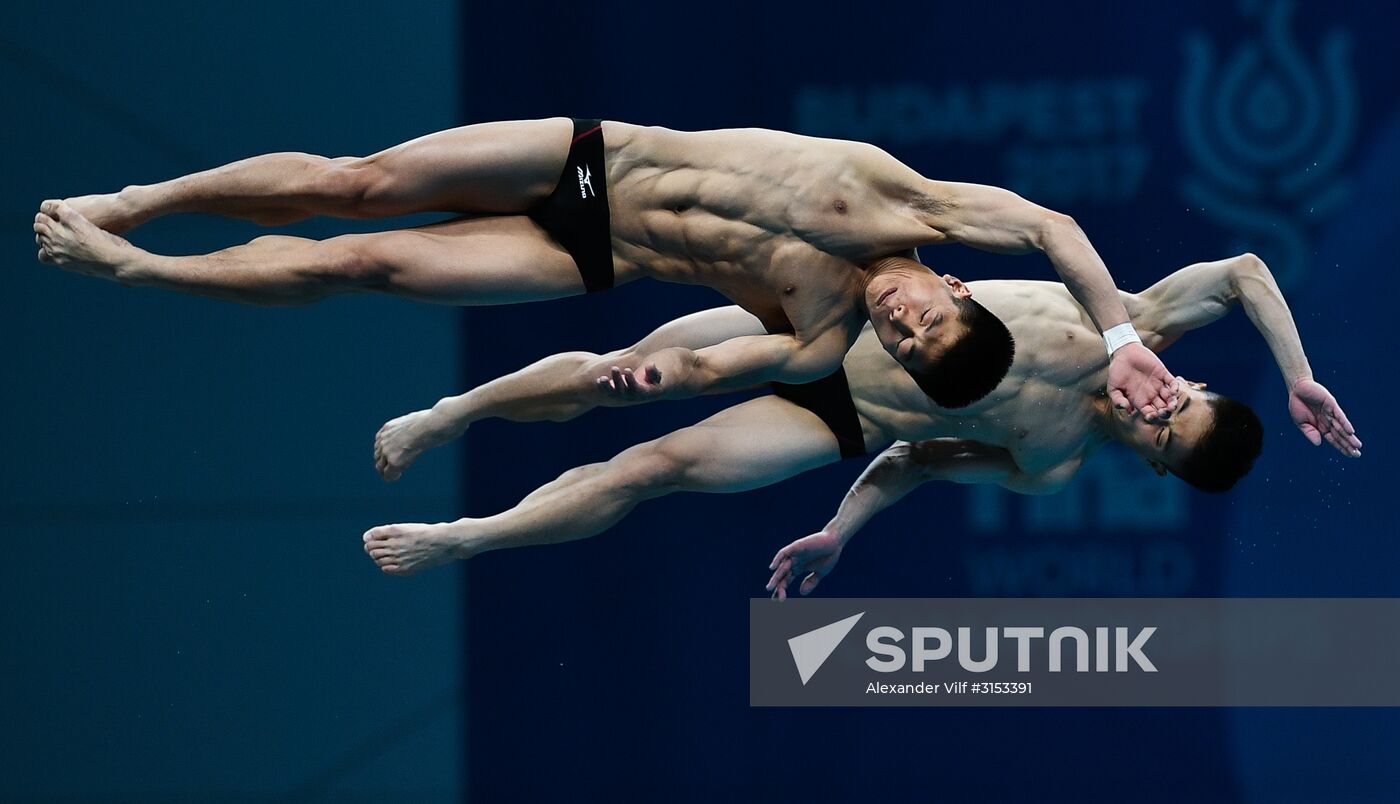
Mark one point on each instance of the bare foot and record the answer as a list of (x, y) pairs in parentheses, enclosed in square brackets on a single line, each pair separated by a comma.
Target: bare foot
[(406, 549), (112, 212), (400, 441), (72, 242)]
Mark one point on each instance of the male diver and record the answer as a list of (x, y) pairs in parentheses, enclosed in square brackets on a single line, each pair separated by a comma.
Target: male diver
[(781, 224), (1047, 414)]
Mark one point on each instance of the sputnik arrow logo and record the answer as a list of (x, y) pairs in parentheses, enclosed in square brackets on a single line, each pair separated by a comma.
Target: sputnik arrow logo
[(811, 650)]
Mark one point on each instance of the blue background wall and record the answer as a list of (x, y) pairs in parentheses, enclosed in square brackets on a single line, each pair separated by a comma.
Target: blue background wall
[(187, 612), (1173, 134)]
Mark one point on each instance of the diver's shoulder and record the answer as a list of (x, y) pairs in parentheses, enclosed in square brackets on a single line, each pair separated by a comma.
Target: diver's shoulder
[(1021, 287), (1020, 298)]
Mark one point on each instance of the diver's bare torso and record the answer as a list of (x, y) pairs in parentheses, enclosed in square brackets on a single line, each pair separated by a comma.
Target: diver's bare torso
[(1045, 412), (779, 223)]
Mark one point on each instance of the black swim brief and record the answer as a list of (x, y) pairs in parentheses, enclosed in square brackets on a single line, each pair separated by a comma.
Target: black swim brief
[(576, 213), (829, 398)]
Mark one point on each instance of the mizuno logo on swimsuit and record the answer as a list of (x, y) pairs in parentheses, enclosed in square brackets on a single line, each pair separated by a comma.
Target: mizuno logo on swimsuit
[(585, 182)]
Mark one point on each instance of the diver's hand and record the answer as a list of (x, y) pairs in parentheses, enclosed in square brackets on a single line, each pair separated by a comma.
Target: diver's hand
[(624, 383), (661, 374), (1320, 418), (1137, 381), (815, 556)]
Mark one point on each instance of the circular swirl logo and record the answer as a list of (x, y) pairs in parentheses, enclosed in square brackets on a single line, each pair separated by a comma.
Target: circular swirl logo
[(1267, 129)]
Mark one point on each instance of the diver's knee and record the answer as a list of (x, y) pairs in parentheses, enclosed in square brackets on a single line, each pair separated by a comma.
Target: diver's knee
[(348, 181), (355, 260), (655, 468), (590, 368), (584, 368)]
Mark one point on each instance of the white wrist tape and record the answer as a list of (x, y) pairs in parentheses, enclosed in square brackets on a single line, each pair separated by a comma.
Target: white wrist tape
[(1117, 337)]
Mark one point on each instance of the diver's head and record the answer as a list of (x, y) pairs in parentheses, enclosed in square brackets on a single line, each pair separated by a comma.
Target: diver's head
[(952, 346), (1210, 441)]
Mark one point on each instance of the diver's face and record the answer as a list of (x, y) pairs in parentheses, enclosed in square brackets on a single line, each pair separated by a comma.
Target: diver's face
[(914, 313), (1166, 443)]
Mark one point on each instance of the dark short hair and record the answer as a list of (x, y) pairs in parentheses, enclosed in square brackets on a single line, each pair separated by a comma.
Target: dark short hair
[(974, 364), (1226, 452)]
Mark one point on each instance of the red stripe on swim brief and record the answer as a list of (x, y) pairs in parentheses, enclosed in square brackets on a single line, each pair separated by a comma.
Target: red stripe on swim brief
[(585, 134)]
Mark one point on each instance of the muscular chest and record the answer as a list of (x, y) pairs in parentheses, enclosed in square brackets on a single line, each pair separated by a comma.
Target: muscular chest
[(847, 218), (1041, 436), (812, 290), (1040, 431), (727, 211)]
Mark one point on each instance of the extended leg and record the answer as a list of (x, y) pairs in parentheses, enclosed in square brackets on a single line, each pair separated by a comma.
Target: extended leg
[(557, 388), (756, 443), (494, 260), (490, 168)]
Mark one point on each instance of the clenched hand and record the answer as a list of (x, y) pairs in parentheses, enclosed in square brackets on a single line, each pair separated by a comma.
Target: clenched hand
[(1137, 381)]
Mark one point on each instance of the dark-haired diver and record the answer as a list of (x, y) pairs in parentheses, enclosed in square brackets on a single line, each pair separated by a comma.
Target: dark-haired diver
[(781, 224), (1030, 434)]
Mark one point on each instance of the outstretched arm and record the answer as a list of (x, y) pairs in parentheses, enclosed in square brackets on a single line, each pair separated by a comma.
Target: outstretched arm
[(894, 473), (995, 219), (1203, 293)]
